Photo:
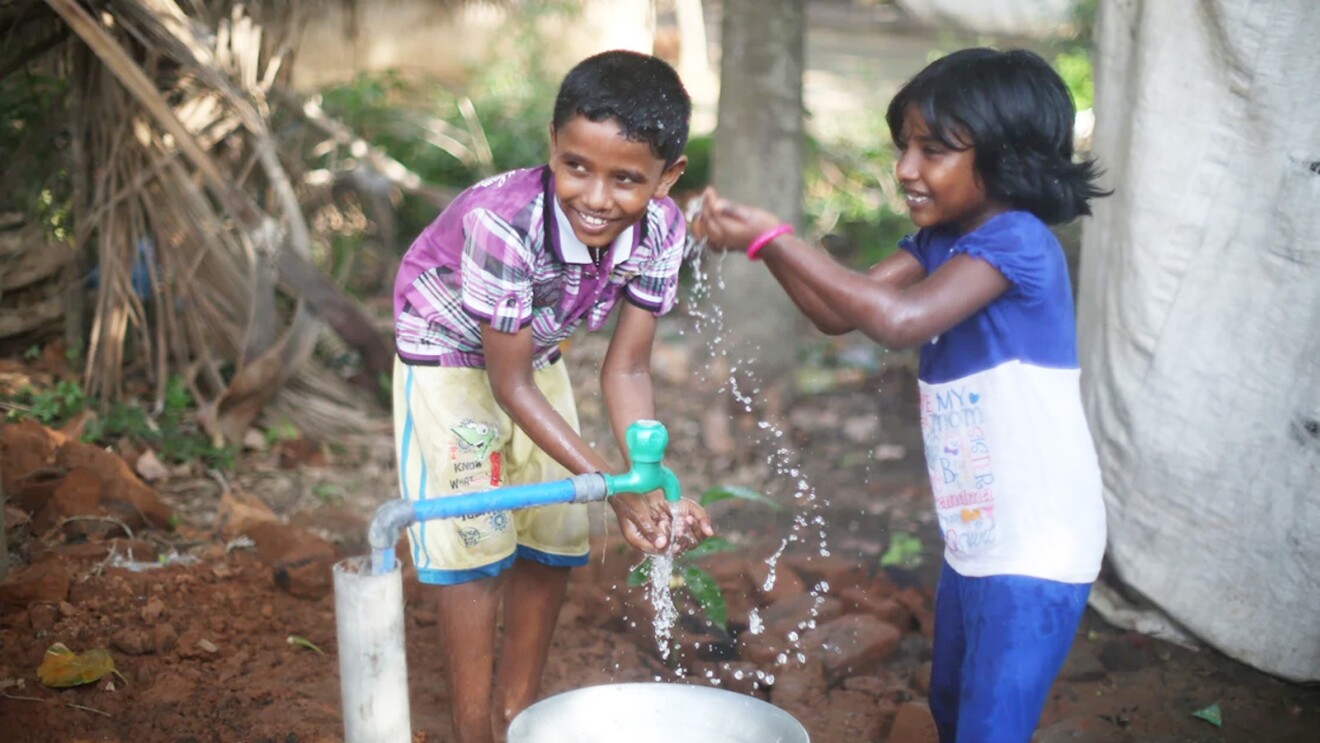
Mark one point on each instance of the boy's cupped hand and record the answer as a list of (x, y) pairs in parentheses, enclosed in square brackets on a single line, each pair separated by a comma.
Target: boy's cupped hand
[(648, 523), (728, 225)]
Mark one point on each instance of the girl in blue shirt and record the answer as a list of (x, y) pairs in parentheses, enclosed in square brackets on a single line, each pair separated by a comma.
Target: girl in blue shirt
[(982, 289)]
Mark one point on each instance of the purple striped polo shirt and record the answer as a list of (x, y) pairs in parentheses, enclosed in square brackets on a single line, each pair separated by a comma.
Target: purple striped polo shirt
[(496, 254)]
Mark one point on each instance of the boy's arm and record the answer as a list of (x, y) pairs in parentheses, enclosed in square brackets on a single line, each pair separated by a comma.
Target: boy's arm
[(626, 385), (509, 368)]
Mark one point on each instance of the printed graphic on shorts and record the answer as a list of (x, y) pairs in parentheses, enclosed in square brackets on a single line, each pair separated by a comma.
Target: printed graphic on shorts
[(961, 467), (472, 464), (474, 437), (482, 526)]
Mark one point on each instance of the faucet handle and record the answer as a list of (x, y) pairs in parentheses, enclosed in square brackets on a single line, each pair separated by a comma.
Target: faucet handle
[(646, 441)]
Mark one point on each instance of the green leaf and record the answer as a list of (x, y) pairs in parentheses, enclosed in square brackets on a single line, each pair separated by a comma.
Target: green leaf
[(640, 575), (1211, 715), (711, 546), (707, 593), (737, 492), (303, 642), (904, 551)]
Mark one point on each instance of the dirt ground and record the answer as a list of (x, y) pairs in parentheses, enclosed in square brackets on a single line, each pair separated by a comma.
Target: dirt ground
[(213, 634)]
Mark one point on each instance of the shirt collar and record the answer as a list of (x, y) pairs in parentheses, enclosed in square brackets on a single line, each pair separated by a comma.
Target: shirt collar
[(573, 250)]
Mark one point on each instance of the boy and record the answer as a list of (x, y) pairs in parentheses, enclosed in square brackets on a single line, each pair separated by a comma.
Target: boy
[(482, 301)]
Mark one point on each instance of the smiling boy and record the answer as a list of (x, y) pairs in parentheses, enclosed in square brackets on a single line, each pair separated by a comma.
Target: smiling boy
[(482, 302)]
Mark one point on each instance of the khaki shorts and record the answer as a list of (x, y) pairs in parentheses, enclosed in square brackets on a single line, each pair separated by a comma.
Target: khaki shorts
[(451, 437)]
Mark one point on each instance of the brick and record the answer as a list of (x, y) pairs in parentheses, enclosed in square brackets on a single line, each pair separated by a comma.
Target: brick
[(913, 724), (851, 645)]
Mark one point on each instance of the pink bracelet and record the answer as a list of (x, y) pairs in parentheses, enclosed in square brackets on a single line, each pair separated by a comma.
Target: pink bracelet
[(762, 240)]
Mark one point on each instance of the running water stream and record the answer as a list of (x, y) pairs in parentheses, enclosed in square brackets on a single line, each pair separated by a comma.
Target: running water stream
[(741, 384)]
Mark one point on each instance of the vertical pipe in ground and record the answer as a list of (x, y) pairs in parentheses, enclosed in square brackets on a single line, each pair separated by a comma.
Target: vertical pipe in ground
[(373, 670)]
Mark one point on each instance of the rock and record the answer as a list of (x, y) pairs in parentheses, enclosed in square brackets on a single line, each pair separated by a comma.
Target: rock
[(839, 573), (1126, 653), (862, 601), (149, 466), (799, 685), (795, 613), (237, 512), (164, 638), (122, 486), (913, 724), (1082, 665), (42, 616), (301, 561), (44, 582), (872, 686), (153, 610), (739, 676), (921, 679), (26, 447), (851, 645), (920, 608), (133, 641), (761, 650), (78, 494), (787, 582), (66, 609)]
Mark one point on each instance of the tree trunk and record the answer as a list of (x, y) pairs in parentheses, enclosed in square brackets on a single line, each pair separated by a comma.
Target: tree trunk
[(758, 158)]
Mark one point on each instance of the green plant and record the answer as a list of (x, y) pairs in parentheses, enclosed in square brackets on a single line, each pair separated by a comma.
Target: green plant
[(57, 404), (1075, 69), (852, 199), (698, 584), (172, 432)]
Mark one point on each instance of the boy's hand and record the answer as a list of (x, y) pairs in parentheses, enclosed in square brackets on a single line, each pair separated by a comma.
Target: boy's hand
[(726, 225), (646, 520)]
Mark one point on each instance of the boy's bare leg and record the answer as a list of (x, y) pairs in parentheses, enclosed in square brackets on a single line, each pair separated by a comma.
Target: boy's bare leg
[(467, 634), (532, 599)]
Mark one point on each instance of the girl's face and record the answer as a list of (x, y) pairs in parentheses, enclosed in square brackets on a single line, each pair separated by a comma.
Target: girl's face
[(941, 183)]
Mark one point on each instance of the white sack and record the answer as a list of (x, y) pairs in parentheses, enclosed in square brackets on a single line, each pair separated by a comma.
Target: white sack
[(1199, 317), (1039, 18)]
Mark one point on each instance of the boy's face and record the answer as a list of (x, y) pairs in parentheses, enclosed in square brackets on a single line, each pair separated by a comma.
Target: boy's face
[(604, 181), (941, 184)]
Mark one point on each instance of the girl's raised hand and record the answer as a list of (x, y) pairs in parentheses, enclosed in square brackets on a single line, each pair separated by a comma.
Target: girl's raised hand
[(727, 225)]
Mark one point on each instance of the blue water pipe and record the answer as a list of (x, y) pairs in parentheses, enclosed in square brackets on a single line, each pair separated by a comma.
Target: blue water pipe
[(646, 441)]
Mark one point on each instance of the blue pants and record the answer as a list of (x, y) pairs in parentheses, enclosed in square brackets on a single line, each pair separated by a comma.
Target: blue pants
[(999, 642)]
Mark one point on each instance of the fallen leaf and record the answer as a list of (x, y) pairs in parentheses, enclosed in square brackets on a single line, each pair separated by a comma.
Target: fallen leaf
[(303, 642), (1211, 715), (61, 667), (149, 466)]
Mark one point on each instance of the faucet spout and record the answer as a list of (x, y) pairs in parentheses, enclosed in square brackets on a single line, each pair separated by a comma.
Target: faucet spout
[(646, 441)]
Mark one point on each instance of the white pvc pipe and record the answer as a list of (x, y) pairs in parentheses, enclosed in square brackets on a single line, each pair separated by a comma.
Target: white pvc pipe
[(373, 670)]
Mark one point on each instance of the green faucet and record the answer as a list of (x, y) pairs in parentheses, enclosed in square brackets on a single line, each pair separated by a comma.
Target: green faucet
[(646, 441)]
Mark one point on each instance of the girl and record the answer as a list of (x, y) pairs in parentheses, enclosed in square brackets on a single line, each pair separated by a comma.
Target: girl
[(985, 161)]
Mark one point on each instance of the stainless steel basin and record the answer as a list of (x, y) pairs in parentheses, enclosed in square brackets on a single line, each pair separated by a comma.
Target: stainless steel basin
[(654, 713)]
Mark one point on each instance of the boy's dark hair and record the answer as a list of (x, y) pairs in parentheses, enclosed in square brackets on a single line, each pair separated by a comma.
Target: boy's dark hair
[(1015, 110), (641, 92)]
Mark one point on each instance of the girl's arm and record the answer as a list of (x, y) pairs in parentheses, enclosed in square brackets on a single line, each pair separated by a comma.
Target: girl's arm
[(896, 304), (896, 316), (734, 225)]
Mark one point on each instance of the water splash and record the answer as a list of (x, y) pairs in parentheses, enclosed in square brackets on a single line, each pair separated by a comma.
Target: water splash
[(741, 384)]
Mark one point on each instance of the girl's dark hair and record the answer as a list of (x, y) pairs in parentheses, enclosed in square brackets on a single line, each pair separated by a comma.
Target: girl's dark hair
[(641, 92), (1015, 110)]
